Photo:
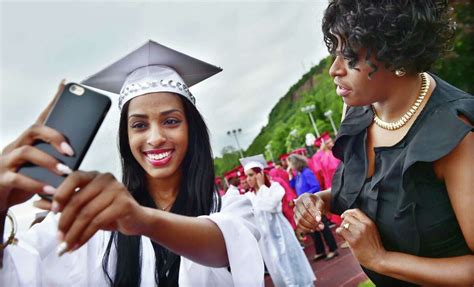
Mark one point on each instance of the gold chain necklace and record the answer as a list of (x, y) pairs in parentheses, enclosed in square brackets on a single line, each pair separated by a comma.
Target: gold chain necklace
[(425, 86)]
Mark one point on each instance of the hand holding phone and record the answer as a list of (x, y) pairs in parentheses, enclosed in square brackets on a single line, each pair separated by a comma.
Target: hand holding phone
[(77, 115), (16, 188)]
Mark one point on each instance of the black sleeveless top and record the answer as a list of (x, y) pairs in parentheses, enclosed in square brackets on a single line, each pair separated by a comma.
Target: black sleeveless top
[(408, 204)]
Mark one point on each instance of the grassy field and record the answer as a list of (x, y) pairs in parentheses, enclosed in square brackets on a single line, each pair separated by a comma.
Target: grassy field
[(367, 283)]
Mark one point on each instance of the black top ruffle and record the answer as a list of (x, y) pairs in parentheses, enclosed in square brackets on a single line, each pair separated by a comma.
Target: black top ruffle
[(409, 205)]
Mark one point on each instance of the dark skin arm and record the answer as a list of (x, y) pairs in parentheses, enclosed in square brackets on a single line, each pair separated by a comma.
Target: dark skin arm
[(456, 170), (308, 210), (363, 237), (207, 247), (364, 241), (16, 188), (103, 203)]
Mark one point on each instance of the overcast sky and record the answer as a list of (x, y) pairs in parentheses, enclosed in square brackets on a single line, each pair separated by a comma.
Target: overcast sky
[(263, 47)]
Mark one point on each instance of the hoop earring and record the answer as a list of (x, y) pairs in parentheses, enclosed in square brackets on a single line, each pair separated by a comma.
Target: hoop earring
[(400, 72)]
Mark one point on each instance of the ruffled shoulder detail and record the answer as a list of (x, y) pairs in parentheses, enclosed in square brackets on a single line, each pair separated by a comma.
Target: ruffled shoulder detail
[(442, 128), (441, 133)]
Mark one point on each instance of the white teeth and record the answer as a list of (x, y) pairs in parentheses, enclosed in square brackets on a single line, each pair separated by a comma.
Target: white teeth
[(159, 155)]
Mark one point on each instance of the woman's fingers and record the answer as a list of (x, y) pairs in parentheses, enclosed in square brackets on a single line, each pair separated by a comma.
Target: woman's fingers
[(303, 223), (72, 208), (105, 220), (34, 133), (29, 154), (320, 207), (308, 212), (345, 234), (16, 187), (16, 181), (42, 204), (79, 208), (86, 219), (349, 228), (358, 214), (41, 133), (303, 230), (314, 206), (49, 135), (101, 203), (44, 114), (310, 207), (68, 187)]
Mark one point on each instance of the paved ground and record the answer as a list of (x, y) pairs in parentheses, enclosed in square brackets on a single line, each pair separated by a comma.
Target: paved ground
[(341, 271)]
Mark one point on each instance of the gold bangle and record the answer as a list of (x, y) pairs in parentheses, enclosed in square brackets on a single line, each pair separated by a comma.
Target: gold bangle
[(11, 238)]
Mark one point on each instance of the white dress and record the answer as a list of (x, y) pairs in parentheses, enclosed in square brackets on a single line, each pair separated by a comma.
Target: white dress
[(33, 261), (281, 251)]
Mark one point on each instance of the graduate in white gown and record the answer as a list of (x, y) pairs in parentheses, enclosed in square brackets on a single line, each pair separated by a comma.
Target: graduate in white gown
[(233, 186), (163, 225), (281, 251)]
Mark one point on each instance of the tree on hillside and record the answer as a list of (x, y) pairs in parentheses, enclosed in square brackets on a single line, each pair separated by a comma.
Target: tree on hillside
[(456, 67), (228, 149)]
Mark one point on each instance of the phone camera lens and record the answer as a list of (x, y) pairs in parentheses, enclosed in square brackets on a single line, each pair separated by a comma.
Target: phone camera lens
[(77, 90)]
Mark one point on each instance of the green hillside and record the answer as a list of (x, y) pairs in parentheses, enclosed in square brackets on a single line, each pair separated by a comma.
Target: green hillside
[(314, 88)]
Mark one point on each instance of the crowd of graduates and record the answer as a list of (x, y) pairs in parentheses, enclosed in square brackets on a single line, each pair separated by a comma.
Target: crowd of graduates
[(303, 170)]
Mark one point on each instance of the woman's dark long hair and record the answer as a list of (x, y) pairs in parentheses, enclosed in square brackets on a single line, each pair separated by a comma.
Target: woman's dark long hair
[(196, 197)]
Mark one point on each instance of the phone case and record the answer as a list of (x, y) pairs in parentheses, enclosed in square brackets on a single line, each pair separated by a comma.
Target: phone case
[(78, 118)]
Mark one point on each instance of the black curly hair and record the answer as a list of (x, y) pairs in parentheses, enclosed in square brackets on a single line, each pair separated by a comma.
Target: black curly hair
[(408, 34)]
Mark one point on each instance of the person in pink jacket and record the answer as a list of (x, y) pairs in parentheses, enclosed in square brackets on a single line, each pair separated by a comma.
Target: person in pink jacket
[(323, 161), (278, 175)]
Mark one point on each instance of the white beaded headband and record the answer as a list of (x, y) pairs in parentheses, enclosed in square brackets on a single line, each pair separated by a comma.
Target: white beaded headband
[(152, 79)]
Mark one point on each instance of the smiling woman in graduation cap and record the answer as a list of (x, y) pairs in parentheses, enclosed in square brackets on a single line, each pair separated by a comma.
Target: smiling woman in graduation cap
[(163, 222)]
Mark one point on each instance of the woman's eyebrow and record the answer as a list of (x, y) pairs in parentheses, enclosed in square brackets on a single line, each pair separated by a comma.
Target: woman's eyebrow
[(137, 116), (163, 113)]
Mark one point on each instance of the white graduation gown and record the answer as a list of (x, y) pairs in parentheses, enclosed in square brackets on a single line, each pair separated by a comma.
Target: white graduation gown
[(282, 253), (231, 191), (33, 261)]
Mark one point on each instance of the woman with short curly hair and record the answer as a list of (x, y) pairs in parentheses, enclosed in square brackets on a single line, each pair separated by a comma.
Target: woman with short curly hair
[(404, 185)]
